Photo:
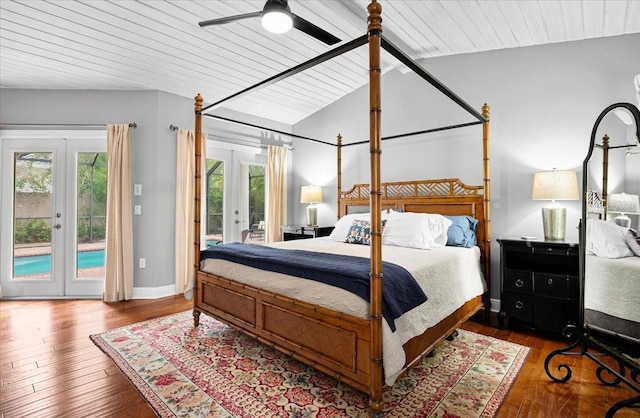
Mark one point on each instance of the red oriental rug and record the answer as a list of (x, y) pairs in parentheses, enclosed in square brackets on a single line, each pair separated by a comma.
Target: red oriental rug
[(216, 371)]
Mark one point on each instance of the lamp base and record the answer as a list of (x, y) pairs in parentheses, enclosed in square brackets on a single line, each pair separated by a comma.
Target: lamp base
[(623, 220), (312, 215), (554, 222)]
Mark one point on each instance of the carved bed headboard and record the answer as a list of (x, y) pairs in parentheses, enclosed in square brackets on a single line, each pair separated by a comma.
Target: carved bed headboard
[(443, 196)]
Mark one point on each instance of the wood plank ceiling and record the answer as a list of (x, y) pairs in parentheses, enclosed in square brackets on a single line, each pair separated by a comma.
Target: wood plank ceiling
[(158, 45)]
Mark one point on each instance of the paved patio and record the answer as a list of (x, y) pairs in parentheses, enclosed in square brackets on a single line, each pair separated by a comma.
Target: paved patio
[(25, 250)]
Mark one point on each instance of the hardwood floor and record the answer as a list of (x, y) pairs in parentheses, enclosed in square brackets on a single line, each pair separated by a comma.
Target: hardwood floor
[(50, 368)]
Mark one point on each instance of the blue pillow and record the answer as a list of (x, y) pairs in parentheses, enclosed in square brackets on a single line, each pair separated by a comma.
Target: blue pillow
[(462, 232)]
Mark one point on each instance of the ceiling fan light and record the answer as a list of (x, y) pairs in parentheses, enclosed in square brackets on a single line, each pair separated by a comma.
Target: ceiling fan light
[(277, 21)]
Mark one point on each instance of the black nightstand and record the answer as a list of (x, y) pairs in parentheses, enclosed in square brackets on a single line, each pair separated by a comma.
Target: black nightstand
[(539, 283), (291, 232)]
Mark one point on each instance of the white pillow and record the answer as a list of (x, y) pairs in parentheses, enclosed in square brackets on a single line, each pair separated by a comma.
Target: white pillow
[(416, 230), (606, 239), (343, 226)]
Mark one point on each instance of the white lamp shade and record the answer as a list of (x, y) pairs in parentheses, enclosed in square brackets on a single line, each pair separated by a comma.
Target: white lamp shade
[(555, 185), (311, 194), (624, 203)]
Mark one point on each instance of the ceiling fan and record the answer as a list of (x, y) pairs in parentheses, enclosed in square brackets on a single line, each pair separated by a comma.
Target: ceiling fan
[(277, 18)]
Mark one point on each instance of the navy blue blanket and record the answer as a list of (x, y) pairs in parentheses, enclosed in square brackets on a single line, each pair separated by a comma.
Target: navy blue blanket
[(400, 291)]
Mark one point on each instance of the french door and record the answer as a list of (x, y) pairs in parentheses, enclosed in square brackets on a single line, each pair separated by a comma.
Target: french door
[(52, 214), (235, 187)]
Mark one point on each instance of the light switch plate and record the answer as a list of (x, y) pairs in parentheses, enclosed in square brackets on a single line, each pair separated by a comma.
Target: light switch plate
[(137, 189)]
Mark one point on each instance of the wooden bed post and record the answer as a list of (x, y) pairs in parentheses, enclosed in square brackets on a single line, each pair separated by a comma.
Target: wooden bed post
[(605, 174), (339, 177), (197, 198), (377, 379), (486, 246)]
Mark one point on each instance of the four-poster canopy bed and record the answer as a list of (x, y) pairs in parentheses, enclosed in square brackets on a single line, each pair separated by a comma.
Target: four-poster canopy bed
[(336, 341)]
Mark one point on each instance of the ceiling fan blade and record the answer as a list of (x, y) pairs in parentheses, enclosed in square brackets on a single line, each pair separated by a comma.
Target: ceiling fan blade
[(312, 30), (223, 20)]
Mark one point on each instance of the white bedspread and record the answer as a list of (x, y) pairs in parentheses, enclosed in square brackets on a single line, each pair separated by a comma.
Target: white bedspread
[(449, 276), (612, 286)]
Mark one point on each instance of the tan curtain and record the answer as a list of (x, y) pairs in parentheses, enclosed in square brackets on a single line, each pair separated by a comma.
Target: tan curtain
[(118, 284), (185, 207), (277, 192)]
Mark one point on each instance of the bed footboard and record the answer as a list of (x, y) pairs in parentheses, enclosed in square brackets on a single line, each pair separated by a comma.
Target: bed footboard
[(334, 343), (303, 330)]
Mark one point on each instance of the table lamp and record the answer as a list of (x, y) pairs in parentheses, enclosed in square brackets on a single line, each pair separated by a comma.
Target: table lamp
[(311, 195), (624, 204), (554, 185)]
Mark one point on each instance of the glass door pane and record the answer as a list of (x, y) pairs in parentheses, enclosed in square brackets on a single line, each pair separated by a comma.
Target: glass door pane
[(91, 207), (214, 183), (32, 209), (32, 193), (86, 200), (255, 184)]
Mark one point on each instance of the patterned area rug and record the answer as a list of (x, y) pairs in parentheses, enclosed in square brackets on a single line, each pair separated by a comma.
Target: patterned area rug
[(216, 371)]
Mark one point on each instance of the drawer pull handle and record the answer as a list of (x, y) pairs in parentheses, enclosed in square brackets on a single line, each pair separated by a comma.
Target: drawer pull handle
[(519, 305), (549, 249), (550, 281), (519, 283)]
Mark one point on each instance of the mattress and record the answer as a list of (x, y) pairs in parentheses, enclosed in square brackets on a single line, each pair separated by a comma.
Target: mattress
[(450, 276), (612, 295)]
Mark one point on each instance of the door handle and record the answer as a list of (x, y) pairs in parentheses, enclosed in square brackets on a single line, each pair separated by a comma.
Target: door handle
[(56, 226)]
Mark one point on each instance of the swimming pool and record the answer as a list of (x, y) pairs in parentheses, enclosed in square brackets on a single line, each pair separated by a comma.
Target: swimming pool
[(40, 264)]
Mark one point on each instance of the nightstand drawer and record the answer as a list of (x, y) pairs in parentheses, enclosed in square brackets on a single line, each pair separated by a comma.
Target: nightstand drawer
[(520, 280), (555, 285), (555, 250), (519, 306)]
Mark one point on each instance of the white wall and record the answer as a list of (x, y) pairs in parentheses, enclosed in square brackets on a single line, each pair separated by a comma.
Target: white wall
[(544, 101)]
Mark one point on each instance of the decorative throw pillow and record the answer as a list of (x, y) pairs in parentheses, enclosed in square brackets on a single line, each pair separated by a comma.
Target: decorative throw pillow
[(360, 232), (633, 240), (343, 226)]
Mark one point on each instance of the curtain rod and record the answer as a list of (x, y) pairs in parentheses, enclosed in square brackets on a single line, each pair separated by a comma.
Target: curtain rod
[(235, 141), (58, 125)]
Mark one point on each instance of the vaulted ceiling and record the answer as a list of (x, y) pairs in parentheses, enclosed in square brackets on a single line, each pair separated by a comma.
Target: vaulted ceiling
[(158, 45)]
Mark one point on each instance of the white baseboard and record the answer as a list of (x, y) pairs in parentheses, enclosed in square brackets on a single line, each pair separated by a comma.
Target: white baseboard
[(495, 305), (138, 293), (153, 292)]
